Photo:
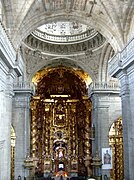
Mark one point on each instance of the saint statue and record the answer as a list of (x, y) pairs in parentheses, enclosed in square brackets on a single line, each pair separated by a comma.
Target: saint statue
[(107, 158)]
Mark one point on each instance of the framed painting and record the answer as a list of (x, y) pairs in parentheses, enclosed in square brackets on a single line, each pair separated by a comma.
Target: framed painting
[(106, 158)]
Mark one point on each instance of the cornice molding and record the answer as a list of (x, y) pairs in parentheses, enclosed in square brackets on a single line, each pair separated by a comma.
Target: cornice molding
[(8, 53)]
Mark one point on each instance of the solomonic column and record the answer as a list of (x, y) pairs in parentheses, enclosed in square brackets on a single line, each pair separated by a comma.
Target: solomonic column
[(87, 141)]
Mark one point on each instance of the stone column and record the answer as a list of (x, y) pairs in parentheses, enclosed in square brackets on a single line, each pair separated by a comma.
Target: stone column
[(121, 66), (21, 122), (127, 97), (5, 119), (104, 113), (1, 158), (10, 67), (131, 116), (100, 119)]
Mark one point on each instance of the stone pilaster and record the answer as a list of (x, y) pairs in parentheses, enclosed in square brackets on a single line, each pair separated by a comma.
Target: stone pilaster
[(6, 95), (122, 67), (100, 119), (21, 122), (131, 125), (10, 68), (100, 115), (103, 97), (1, 158), (127, 98)]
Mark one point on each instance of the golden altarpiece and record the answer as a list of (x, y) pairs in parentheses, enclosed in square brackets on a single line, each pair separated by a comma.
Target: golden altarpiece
[(116, 143), (60, 124)]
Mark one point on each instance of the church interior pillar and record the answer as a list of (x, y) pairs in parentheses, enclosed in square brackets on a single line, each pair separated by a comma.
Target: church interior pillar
[(21, 123), (127, 86), (103, 111), (6, 95)]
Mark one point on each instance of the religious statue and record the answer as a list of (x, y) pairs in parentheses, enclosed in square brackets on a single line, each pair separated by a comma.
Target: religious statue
[(107, 158)]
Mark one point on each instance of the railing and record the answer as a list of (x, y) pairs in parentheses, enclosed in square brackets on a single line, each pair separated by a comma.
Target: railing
[(114, 64), (18, 86), (104, 86), (63, 38), (122, 59)]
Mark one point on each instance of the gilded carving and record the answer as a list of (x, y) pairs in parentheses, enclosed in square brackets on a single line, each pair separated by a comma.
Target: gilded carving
[(60, 124), (116, 143)]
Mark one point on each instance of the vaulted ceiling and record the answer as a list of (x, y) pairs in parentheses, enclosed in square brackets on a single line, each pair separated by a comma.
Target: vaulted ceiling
[(113, 19)]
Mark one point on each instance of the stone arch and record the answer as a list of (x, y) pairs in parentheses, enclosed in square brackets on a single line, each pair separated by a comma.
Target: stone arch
[(114, 120), (69, 62), (37, 20)]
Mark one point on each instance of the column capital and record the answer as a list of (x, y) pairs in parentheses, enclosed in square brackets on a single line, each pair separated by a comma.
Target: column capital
[(9, 84), (22, 100), (23, 92), (123, 77)]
